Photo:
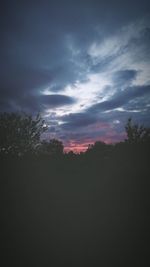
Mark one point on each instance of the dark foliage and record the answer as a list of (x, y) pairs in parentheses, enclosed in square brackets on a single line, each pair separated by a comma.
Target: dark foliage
[(19, 133), (136, 133), (53, 147)]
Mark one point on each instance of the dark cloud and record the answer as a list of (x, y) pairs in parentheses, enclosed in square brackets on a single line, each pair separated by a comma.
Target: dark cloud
[(55, 100), (36, 102), (124, 77), (78, 120), (15, 80), (120, 99)]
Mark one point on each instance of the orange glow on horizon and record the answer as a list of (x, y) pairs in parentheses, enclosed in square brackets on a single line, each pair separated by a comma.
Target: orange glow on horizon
[(78, 147)]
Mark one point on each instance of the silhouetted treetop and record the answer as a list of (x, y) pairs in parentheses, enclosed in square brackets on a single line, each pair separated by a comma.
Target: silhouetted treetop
[(51, 147), (20, 133), (136, 133)]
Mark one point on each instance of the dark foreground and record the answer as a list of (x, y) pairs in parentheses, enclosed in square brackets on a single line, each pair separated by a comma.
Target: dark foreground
[(81, 211)]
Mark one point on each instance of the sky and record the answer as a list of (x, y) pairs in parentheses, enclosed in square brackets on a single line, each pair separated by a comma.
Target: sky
[(83, 64)]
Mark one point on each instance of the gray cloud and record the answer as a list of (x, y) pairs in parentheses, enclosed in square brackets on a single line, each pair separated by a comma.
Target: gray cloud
[(55, 100), (78, 120), (120, 99), (124, 77)]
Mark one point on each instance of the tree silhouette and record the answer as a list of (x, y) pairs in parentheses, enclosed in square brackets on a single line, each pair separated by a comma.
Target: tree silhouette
[(136, 133), (51, 147), (99, 150), (97, 146), (20, 133)]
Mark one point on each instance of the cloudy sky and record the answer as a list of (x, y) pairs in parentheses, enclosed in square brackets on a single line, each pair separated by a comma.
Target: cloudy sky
[(83, 64)]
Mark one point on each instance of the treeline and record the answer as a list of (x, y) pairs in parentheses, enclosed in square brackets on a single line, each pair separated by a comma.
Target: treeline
[(20, 136)]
